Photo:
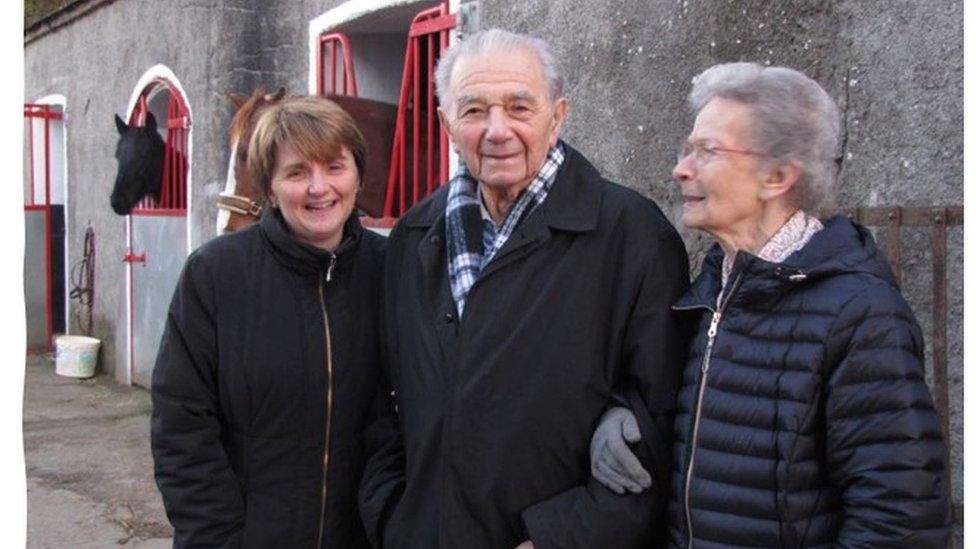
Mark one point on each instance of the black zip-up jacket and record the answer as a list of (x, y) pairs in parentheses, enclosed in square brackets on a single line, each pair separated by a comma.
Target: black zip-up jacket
[(806, 422), (496, 409), (269, 347)]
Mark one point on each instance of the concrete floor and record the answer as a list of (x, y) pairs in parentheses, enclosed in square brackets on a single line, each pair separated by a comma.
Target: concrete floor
[(89, 470)]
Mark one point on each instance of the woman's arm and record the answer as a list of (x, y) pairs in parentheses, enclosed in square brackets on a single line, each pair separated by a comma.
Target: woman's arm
[(200, 491)]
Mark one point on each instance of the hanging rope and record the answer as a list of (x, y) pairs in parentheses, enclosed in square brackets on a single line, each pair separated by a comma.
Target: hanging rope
[(83, 281)]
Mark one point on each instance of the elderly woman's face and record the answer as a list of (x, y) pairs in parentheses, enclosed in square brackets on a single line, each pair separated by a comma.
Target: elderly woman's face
[(719, 172), (315, 198)]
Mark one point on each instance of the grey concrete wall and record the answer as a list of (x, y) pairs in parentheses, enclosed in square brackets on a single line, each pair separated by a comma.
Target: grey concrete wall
[(895, 69)]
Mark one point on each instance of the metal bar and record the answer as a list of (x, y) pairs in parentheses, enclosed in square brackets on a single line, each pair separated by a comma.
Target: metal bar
[(893, 243), (320, 77), (143, 108), (940, 318), (431, 115), (402, 128), (345, 73), (444, 145), (179, 187), (391, 178), (48, 252), (30, 138), (167, 197), (175, 180), (939, 314), (47, 157), (332, 64), (36, 110), (415, 156), (184, 168), (167, 158), (910, 217), (348, 70), (143, 116), (132, 301), (177, 194), (434, 25), (178, 170)]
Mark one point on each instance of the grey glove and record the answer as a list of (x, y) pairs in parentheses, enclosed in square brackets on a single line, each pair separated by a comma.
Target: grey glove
[(611, 461)]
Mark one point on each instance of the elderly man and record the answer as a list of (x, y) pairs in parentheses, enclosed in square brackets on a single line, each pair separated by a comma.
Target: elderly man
[(521, 299)]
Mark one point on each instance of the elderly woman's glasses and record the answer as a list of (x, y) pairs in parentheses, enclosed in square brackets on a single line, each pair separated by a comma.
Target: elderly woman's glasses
[(702, 153)]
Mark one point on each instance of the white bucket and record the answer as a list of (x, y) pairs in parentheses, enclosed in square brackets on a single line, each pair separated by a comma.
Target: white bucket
[(75, 356)]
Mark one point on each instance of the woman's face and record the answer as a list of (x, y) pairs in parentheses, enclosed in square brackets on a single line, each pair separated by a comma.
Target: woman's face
[(315, 198), (720, 176)]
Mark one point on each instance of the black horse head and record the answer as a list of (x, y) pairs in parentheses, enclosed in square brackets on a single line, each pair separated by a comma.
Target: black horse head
[(140, 156)]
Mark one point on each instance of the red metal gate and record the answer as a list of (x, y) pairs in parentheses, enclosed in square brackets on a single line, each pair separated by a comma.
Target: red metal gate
[(39, 200), (329, 75), (417, 122), (172, 199)]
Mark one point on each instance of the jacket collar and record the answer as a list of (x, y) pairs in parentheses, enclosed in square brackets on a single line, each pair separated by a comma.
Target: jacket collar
[(841, 247), (299, 256), (573, 203)]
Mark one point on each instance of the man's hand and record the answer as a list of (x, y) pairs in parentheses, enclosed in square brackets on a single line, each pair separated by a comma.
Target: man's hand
[(611, 461), (526, 545)]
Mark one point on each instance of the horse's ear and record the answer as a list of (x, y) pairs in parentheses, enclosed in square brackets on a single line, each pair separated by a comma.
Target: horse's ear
[(236, 99), (120, 125), (150, 122), (279, 94)]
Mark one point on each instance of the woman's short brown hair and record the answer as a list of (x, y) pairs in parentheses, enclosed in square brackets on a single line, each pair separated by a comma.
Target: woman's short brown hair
[(316, 127)]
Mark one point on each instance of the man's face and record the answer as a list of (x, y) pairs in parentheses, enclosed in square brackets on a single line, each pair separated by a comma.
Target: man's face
[(500, 117)]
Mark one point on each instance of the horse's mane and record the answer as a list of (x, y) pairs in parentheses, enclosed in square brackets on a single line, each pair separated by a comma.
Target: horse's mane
[(247, 108)]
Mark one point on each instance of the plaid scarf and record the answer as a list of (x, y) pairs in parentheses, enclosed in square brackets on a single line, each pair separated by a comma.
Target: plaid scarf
[(472, 240)]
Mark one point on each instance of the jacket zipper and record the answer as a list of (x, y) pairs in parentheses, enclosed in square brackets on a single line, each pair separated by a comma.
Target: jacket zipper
[(706, 363), (328, 395)]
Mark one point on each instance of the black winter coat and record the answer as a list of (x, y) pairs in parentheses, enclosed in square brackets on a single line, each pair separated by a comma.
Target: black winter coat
[(496, 409), (815, 427), (264, 378)]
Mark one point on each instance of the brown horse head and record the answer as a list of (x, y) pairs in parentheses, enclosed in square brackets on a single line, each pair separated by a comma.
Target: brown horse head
[(241, 202)]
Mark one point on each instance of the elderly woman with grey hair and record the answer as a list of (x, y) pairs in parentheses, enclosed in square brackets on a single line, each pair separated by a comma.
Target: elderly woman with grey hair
[(803, 419)]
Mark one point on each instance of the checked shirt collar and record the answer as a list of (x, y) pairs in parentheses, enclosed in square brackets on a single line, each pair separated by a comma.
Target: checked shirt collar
[(472, 240)]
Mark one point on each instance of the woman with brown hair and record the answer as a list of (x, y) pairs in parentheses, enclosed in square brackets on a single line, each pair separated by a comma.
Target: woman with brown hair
[(269, 361)]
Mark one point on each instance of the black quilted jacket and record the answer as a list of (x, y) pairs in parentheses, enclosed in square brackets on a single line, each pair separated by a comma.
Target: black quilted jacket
[(813, 426)]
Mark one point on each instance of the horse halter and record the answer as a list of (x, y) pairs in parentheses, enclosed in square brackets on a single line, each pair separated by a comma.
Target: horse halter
[(236, 203), (239, 204)]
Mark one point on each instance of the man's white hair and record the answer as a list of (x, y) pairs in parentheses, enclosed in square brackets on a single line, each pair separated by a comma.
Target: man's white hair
[(493, 40)]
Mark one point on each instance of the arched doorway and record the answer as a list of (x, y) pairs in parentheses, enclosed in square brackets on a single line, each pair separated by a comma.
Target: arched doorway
[(157, 233)]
